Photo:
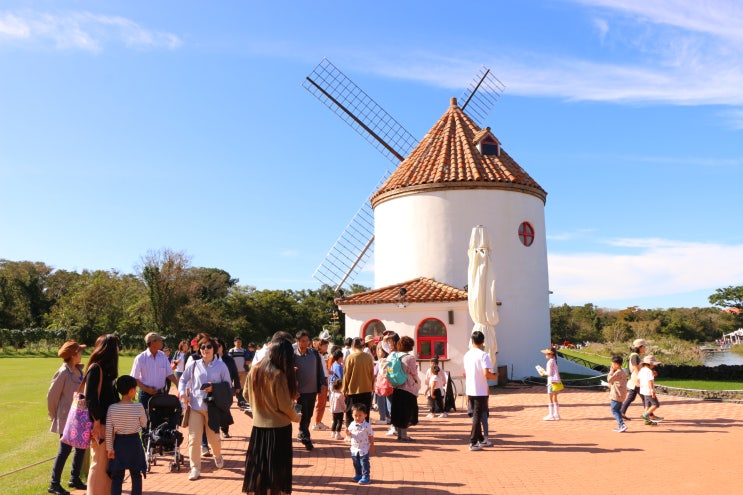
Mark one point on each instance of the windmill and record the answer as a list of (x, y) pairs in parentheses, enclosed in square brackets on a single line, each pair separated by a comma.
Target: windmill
[(354, 246)]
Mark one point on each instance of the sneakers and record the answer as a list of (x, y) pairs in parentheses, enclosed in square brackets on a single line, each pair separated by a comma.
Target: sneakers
[(77, 484), (356, 478), (549, 417), (219, 461), (655, 418), (319, 426), (380, 422), (620, 429), (226, 435), (624, 417), (307, 443), (475, 446), (364, 481), (429, 415), (194, 474), (57, 489), (333, 433), (205, 451), (443, 415), (649, 421), (556, 417), (391, 431), (485, 443), (404, 439)]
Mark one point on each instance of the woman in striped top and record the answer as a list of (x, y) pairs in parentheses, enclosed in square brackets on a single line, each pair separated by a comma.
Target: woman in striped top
[(124, 422)]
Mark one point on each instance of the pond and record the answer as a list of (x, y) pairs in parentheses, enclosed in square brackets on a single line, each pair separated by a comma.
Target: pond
[(718, 358)]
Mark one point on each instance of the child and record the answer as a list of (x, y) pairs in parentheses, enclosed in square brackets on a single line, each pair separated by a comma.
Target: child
[(124, 422), (338, 408), (382, 401), (336, 368), (554, 384), (435, 393), (362, 443), (647, 390), (617, 379)]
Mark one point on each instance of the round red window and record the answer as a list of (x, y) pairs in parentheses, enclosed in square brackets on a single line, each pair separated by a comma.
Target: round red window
[(526, 234)]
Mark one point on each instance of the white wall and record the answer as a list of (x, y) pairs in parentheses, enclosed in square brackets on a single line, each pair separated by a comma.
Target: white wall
[(427, 234)]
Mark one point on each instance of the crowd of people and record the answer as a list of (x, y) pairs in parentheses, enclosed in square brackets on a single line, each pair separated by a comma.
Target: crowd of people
[(290, 379)]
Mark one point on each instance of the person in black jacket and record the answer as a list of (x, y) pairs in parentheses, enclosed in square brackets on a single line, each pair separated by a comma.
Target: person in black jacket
[(235, 377)]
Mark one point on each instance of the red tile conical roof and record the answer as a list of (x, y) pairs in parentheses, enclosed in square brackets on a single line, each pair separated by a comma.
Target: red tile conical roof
[(448, 158), (418, 290)]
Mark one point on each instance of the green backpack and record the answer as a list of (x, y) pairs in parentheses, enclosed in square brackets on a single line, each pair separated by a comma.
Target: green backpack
[(395, 373)]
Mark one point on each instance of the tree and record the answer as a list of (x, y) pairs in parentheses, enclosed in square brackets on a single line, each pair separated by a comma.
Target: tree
[(23, 300), (164, 274), (732, 298)]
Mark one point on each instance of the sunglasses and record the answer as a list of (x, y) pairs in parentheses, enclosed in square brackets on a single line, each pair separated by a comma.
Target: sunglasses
[(207, 346)]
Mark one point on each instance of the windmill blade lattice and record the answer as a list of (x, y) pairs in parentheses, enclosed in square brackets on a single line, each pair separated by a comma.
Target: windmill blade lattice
[(352, 249), (481, 95), (360, 111)]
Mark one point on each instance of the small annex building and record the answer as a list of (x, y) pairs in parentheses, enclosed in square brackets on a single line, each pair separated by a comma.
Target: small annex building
[(457, 177)]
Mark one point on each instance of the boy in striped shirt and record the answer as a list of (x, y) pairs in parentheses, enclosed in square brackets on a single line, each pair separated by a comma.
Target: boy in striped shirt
[(124, 421)]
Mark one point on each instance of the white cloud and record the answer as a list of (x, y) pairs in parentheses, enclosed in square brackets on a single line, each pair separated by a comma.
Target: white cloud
[(80, 31), (654, 267)]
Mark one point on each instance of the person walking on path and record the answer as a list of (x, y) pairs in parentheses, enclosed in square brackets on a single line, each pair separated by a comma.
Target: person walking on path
[(477, 371), (272, 388), (235, 388), (361, 434), (337, 408), (240, 355), (405, 397), (65, 383), (152, 371), (358, 378), (124, 421), (634, 364), (617, 379), (322, 398), (311, 381), (180, 358), (197, 382), (382, 387), (647, 390), (554, 384), (102, 370)]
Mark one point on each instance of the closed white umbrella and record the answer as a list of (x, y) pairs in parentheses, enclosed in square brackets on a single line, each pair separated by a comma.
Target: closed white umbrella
[(481, 289)]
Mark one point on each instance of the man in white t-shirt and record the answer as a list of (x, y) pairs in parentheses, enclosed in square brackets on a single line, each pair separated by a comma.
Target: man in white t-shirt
[(477, 370)]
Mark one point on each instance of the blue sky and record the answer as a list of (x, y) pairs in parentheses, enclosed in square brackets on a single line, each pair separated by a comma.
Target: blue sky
[(127, 127)]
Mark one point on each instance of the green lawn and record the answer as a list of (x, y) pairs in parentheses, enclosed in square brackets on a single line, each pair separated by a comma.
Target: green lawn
[(690, 384), (26, 439)]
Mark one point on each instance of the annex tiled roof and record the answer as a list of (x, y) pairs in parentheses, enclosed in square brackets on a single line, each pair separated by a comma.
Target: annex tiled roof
[(418, 290), (448, 158)]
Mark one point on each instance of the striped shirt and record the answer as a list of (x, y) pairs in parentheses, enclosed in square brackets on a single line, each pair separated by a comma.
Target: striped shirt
[(124, 419), (152, 371)]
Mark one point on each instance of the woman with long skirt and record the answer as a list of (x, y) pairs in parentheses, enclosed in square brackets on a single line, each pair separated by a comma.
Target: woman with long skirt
[(272, 390), (405, 397)]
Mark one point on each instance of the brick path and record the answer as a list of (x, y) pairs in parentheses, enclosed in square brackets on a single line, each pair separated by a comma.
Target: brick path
[(695, 450)]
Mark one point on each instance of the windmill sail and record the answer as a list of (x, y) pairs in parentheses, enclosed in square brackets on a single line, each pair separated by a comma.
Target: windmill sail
[(354, 247)]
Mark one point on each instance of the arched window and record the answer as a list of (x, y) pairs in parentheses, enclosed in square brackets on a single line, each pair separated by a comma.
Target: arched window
[(373, 328), (431, 339)]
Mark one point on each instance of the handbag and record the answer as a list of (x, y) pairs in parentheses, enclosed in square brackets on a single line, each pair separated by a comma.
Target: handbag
[(186, 416), (557, 386), (78, 428)]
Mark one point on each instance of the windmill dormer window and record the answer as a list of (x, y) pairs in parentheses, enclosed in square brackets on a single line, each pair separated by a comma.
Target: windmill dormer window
[(489, 146)]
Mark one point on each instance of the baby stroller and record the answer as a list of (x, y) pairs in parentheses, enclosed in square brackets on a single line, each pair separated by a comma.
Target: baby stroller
[(164, 416)]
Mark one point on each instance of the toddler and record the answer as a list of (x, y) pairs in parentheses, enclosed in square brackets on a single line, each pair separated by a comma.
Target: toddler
[(338, 408), (362, 443), (435, 393)]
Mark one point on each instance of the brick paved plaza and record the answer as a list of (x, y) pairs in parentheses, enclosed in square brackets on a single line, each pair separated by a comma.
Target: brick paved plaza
[(695, 450)]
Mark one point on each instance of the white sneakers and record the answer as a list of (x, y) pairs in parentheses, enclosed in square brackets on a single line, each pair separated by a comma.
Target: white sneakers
[(429, 415), (219, 461), (443, 415), (475, 446), (550, 417), (194, 474), (380, 422), (485, 443), (319, 426), (392, 431)]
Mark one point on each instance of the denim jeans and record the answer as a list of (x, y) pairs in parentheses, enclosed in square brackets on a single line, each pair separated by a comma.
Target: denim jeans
[(616, 411), (361, 465), (485, 428), (382, 407), (62, 454), (631, 395)]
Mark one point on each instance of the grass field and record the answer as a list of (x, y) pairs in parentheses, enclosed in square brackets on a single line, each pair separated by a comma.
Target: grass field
[(26, 440), (690, 384)]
